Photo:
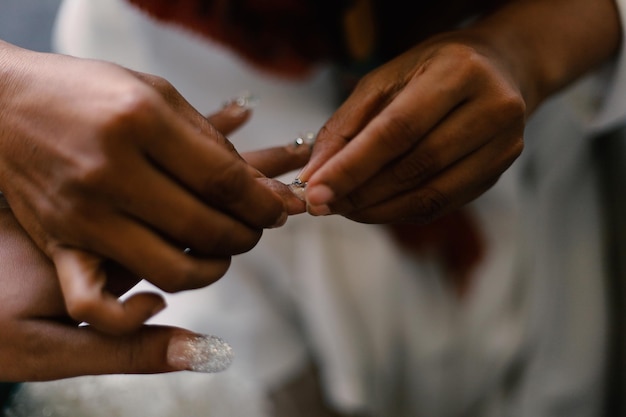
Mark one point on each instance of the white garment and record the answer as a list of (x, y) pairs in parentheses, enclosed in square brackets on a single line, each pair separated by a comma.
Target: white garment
[(390, 337)]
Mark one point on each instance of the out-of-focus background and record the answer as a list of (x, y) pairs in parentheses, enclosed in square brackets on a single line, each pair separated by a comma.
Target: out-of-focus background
[(28, 23)]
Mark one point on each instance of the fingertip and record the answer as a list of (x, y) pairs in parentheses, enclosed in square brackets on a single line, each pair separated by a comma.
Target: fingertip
[(142, 306), (319, 195), (280, 221)]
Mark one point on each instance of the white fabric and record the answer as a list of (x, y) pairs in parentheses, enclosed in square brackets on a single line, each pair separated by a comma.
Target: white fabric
[(391, 338)]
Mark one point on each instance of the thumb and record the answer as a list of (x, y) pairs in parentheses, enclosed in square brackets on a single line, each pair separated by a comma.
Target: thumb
[(83, 280)]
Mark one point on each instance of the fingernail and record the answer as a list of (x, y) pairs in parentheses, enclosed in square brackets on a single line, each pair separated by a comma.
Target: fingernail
[(239, 105), (319, 195), (298, 187), (199, 353), (320, 210), (302, 174)]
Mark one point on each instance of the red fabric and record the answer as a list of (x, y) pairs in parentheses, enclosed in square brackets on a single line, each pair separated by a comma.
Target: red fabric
[(285, 37), (455, 240)]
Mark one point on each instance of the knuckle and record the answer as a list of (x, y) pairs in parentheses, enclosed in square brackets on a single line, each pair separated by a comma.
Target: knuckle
[(131, 106), (467, 61), (414, 169), (512, 108), (161, 84), (517, 147), (90, 173), (428, 205), (369, 84), (333, 133), (328, 130), (468, 64), (397, 132), (228, 184)]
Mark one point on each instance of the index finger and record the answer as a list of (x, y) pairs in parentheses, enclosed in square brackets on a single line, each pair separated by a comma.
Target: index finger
[(221, 178)]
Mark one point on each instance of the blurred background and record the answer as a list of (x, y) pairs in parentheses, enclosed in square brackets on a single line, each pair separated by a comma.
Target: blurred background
[(28, 23)]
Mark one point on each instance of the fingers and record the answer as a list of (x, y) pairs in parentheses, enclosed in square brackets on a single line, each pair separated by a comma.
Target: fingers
[(451, 141), (436, 136), (445, 192), (216, 176), (157, 260), (82, 278), (49, 350), (363, 104), (159, 201), (396, 129), (234, 114)]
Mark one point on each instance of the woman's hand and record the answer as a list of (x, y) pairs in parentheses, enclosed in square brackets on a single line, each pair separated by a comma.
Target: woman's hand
[(100, 163), (418, 137), (436, 127)]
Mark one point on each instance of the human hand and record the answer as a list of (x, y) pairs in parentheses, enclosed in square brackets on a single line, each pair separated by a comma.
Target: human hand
[(98, 164), (40, 341), (420, 136)]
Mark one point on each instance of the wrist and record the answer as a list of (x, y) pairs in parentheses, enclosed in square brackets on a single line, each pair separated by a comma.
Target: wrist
[(548, 44)]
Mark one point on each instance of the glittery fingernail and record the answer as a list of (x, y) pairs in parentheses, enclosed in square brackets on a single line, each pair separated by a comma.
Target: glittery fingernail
[(199, 353)]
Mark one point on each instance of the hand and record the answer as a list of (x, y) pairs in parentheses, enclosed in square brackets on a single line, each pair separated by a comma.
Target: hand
[(434, 128), (40, 341), (110, 166), (420, 136)]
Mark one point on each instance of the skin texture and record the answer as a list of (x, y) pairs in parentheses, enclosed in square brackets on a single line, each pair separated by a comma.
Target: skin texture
[(435, 127), (115, 165)]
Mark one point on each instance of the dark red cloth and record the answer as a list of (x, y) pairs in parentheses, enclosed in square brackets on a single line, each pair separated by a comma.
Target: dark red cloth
[(286, 37)]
